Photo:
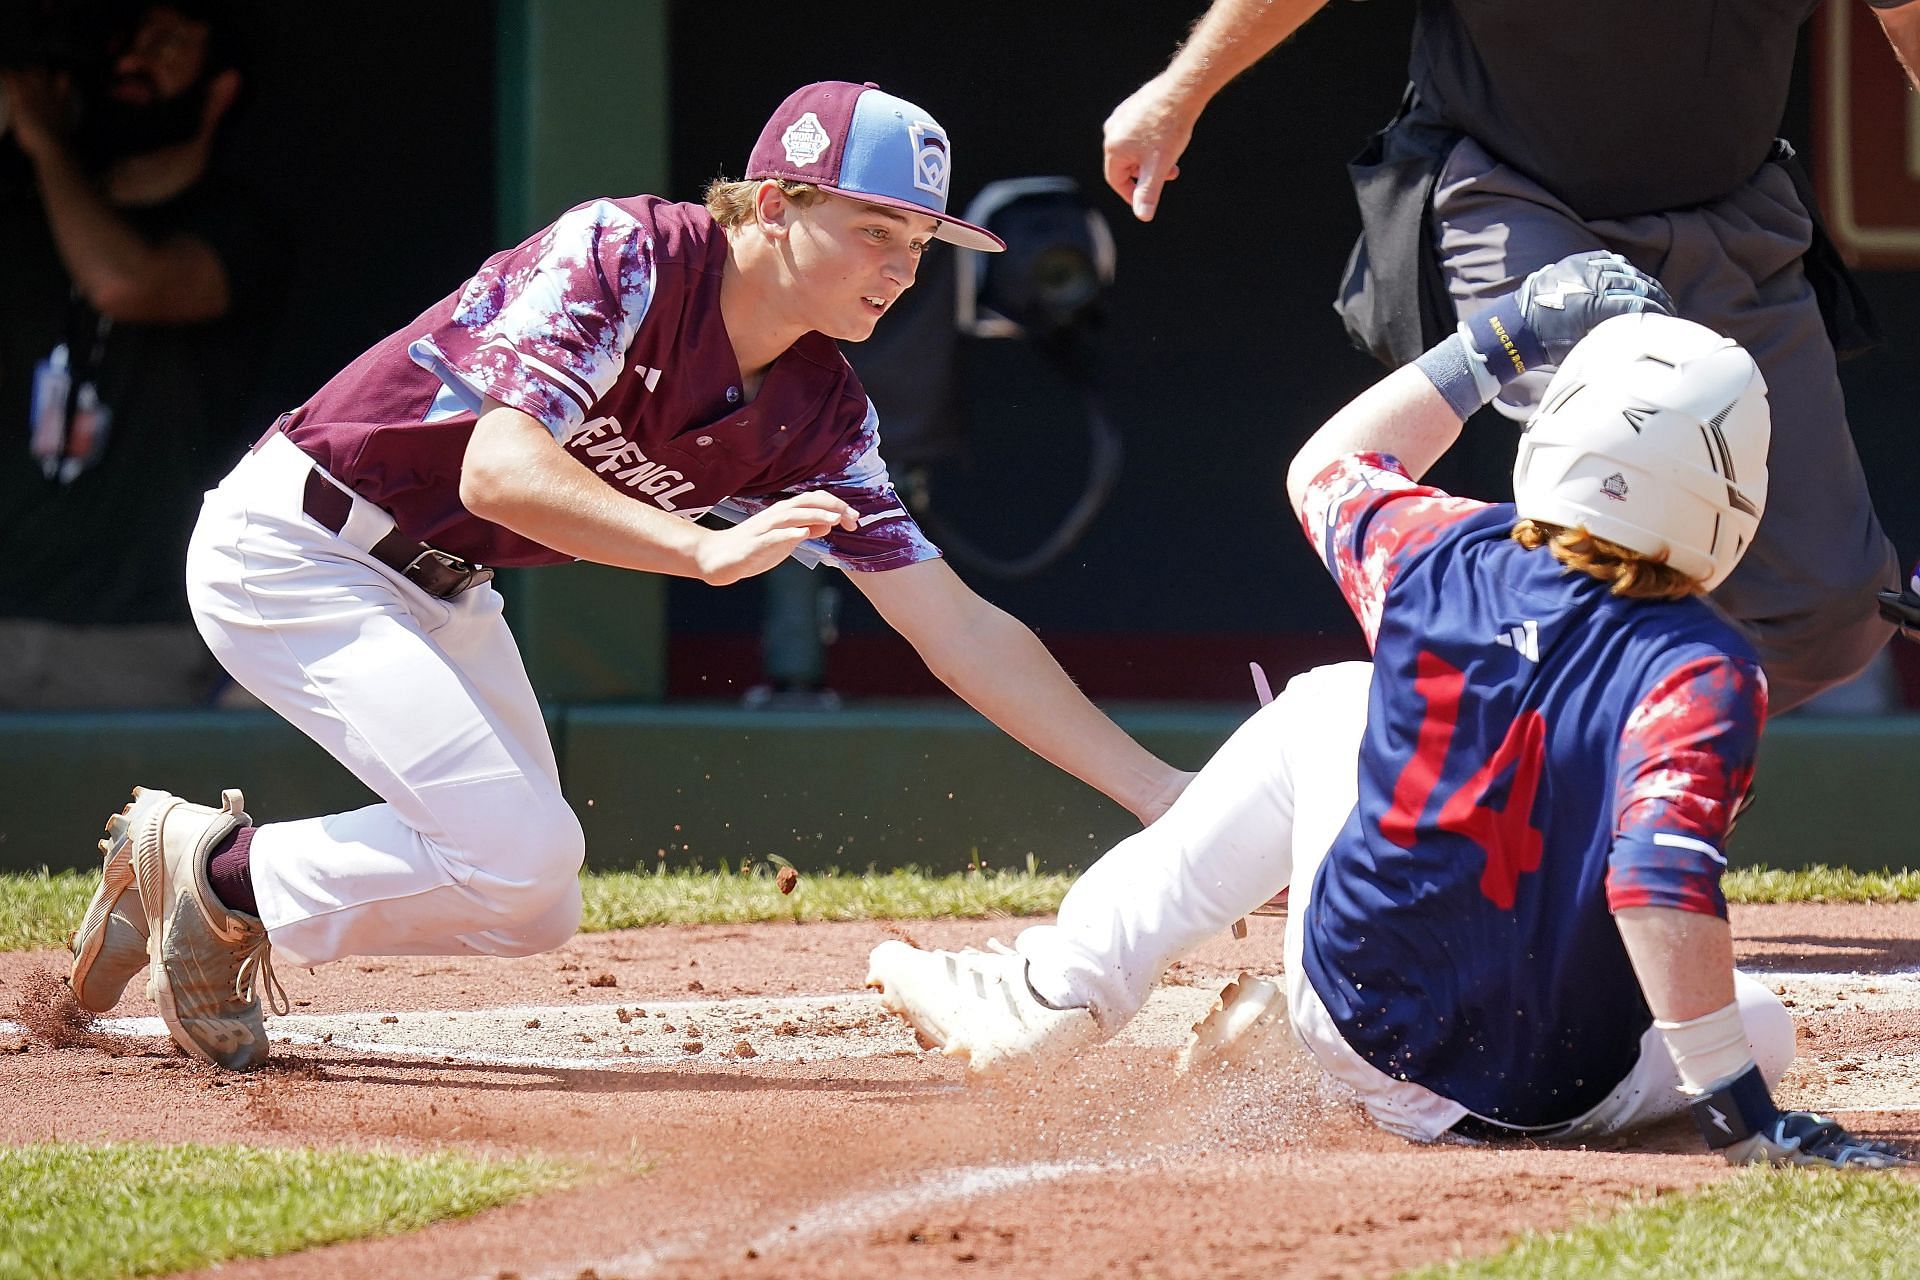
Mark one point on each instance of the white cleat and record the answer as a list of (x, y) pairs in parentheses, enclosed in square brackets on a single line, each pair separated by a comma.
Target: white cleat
[(1248, 1020), (976, 1005)]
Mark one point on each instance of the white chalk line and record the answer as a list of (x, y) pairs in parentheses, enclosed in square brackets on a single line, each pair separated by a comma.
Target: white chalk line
[(859, 1211), (423, 1034)]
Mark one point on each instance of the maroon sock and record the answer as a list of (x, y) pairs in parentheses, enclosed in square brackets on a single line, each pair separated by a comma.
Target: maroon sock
[(228, 871)]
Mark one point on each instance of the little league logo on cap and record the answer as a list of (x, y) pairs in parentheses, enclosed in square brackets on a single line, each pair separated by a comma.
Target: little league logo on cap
[(855, 141), (930, 162)]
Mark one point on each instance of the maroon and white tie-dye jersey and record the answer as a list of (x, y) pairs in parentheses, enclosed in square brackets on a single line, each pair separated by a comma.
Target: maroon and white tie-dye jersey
[(606, 328)]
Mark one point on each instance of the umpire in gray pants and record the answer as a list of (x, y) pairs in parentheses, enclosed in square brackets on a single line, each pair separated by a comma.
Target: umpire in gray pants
[(1535, 129)]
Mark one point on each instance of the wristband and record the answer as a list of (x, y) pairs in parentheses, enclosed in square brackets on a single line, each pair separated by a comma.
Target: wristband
[(1502, 336), (1735, 1110), (1459, 374), (1709, 1048)]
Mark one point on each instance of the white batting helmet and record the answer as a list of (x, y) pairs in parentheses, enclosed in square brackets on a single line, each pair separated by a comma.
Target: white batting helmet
[(1652, 435)]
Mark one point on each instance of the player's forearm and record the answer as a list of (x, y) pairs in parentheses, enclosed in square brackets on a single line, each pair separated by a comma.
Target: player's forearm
[(1402, 414), (515, 475), (1902, 25), (1683, 959), (1230, 37), (1001, 669)]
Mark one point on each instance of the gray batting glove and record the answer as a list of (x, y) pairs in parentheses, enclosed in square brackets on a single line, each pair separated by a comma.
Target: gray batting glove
[(1556, 307)]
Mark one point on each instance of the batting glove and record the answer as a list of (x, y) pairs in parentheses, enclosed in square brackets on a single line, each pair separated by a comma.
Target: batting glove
[(1738, 1119), (1556, 307), (1902, 608)]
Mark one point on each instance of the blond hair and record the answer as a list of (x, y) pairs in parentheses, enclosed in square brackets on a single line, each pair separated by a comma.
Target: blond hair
[(1628, 574), (731, 203)]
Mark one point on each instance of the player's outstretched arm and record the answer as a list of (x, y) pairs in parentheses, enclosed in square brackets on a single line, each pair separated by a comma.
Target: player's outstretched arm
[(1900, 19), (1145, 136), (515, 474), (1415, 412), (1001, 669), (1684, 962)]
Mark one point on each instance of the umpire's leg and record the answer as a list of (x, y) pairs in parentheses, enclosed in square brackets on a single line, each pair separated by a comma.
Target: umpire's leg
[(1805, 591)]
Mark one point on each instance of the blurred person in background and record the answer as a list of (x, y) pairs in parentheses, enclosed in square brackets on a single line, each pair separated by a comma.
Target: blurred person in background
[(139, 283)]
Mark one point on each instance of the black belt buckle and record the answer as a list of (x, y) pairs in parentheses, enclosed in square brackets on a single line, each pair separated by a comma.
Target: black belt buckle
[(443, 574)]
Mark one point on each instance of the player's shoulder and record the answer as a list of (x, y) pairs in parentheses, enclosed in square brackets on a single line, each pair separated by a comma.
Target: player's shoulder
[(1694, 625), (1691, 646)]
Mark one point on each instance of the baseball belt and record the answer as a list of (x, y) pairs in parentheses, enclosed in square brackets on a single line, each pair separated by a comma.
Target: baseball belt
[(438, 573)]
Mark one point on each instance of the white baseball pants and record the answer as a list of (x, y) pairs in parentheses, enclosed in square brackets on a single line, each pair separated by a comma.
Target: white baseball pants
[(1262, 815), (474, 850)]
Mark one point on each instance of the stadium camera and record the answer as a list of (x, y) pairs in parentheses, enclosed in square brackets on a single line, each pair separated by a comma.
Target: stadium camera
[(1057, 265)]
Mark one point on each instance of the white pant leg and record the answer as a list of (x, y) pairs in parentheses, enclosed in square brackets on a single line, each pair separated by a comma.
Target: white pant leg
[(1651, 1090), (1227, 845), (425, 700)]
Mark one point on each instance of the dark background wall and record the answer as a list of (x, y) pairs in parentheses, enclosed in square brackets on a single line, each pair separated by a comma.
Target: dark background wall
[(1222, 350), (369, 131)]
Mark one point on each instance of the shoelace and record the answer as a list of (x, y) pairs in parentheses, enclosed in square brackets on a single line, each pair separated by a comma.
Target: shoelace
[(255, 969)]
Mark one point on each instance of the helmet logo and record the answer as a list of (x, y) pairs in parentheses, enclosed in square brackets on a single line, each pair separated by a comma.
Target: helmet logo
[(1615, 487)]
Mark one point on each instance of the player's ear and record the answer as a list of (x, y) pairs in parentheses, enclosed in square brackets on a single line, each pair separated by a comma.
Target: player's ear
[(772, 211)]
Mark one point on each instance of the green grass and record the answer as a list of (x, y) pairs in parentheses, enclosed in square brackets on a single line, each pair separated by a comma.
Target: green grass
[(1821, 884), (1782, 1224), (622, 900), (74, 1212), (38, 908)]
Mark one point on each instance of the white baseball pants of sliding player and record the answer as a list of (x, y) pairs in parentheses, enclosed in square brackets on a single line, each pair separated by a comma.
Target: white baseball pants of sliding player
[(426, 701), (1262, 815)]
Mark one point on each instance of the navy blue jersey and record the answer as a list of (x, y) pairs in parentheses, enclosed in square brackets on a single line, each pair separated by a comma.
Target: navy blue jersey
[(1538, 754)]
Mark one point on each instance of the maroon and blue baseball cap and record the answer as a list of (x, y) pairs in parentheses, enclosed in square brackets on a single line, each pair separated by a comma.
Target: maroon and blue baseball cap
[(855, 141)]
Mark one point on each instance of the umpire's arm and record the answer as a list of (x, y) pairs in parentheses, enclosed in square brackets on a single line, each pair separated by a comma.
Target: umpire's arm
[(1900, 19), (1001, 669)]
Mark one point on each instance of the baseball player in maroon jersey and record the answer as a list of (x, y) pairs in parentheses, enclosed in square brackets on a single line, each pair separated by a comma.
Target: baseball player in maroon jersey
[(583, 397)]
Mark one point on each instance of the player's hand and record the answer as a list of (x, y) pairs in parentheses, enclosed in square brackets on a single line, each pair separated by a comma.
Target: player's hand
[(1150, 809), (1142, 141), (1801, 1137), (1562, 303), (39, 108), (763, 540)]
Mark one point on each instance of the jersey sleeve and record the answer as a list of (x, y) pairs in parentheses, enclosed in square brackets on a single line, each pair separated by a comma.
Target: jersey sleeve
[(1367, 520), (887, 536), (1686, 761), (545, 327)]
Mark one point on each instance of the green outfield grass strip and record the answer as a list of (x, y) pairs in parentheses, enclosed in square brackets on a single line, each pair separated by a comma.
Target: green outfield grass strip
[(624, 900), (37, 909), (75, 1212), (1821, 884), (1784, 1224)]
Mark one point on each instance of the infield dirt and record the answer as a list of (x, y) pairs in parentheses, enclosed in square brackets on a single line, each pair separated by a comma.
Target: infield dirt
[(834, 1149)]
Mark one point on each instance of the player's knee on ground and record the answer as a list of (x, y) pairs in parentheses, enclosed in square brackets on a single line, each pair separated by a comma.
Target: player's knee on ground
[(523, 861), (1769, 1027), (552, 928)]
